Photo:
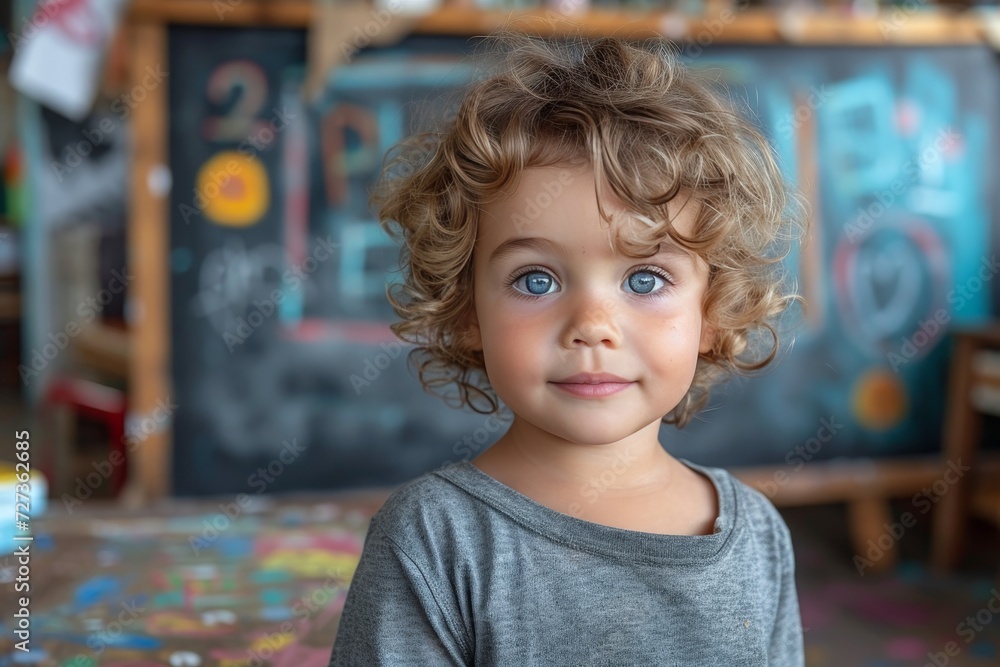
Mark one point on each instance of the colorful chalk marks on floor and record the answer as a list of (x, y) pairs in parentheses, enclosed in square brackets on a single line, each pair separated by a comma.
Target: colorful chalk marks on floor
[(193, 589), (267, 590)]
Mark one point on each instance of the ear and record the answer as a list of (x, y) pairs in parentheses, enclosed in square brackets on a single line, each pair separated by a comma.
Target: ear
[(708, 333), (473, 335)]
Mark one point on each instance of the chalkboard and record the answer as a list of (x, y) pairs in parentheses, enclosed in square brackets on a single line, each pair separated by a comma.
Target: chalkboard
[(287, 376), (904, 148)]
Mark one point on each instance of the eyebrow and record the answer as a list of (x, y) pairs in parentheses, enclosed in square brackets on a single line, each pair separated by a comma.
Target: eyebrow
[(514, 245), (517, 244)]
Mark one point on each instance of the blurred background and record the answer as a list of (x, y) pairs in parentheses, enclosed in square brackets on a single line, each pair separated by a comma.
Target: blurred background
[(195, 356)]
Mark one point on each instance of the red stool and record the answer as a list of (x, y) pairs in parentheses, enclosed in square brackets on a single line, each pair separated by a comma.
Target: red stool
[(97, 401)]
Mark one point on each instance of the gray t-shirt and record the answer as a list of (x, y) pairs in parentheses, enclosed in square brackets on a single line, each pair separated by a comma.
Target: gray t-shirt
[(460, 569)]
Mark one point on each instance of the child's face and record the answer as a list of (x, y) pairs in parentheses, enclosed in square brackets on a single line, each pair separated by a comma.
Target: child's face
[(583, 308)]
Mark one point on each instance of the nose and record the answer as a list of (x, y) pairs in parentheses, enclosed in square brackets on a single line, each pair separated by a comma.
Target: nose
[(591, 322)]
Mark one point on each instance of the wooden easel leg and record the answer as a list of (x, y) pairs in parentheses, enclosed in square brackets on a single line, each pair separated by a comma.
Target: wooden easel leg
[(961, 435), (872, 540), (950, 519)]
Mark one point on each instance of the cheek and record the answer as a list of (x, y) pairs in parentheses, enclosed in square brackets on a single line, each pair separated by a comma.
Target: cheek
[(674, 345), (514, 346)]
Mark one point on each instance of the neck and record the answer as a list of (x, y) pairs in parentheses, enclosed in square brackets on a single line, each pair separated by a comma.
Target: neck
[(634, 465)]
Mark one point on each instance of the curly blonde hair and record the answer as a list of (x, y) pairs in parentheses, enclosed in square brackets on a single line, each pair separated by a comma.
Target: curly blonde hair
[(653, 131)]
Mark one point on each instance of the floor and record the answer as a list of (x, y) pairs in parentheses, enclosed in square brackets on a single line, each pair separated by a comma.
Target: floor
[(908, 616), (215, 586)]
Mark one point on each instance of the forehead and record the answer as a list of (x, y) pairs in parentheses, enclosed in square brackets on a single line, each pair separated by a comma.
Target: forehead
[(554, 210), (515, 245)]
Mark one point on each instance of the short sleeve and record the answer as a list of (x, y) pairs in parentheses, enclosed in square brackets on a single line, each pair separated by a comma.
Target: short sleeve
[(786, 648), (392, 615)]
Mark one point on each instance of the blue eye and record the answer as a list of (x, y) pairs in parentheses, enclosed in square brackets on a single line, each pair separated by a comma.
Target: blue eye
[(537, 283), (643, 282)]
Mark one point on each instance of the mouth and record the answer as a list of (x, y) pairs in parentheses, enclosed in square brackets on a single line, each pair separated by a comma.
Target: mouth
[(593, 378), (593, 385)]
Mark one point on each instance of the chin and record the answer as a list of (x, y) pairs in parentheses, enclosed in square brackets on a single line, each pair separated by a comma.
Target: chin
[(594, 432)]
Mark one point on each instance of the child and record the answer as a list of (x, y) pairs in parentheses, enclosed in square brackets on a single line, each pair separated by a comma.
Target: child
[(596, 232)]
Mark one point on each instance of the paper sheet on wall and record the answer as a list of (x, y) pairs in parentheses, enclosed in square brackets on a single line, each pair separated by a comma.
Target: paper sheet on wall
[(59, 50)]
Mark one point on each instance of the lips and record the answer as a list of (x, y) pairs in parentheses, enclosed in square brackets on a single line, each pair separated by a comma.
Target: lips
[(600, 389), (593, 378), (592, 385)]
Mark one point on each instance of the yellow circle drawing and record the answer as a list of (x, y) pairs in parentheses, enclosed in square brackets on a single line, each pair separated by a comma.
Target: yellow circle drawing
[(232, 189), (311, 562), (879, 400)]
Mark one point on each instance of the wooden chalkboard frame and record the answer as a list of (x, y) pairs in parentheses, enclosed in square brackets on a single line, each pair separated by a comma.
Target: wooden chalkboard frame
[(865, 484), (745, 26), (148, 234)]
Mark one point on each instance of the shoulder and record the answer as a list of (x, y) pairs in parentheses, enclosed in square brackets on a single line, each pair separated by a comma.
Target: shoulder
[(756, 514), (424, 507)]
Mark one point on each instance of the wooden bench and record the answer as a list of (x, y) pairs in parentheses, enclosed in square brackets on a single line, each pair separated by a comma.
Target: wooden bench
[(973, 393)]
